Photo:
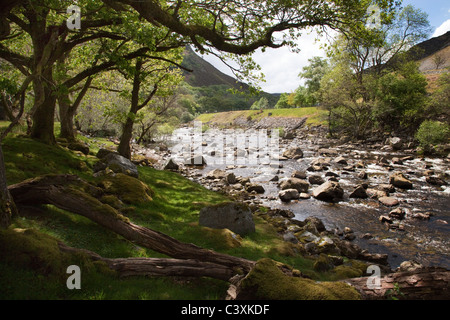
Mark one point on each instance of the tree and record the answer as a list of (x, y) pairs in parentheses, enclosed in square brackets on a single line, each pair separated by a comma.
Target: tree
[(313, 74)]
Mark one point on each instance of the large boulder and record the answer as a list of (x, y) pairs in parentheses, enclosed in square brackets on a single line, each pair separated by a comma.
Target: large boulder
[(288, 195), (117, 164), (293, 153), (234, 216), (329, 191), (400, 181), (294, 183), (396, 143)]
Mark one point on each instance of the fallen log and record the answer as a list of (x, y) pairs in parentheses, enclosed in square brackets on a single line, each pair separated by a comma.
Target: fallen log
[(422, 284), (165, 267), (70, 193)]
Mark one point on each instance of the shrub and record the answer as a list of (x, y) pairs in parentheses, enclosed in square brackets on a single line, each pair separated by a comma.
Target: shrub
[(431, 133)]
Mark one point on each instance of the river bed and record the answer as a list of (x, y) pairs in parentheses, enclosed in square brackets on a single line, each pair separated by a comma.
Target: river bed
[(425, 241)]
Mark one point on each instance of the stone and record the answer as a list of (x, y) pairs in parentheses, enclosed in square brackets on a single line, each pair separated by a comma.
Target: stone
[(304, 195), (216, 174), (435, 181), (385, 219), (329, 191), (316, 223), (398, 180), (294, 183), (389, 201), (288, 195), (290, 237), (119, 164), (396, 143), (397, 213), (299, 174), (316, 179), (376, 194), (293, 153), (234, 216), (340, 160), (230, 178), (362, 175), (396, 160), (171, 165), (409, 266), (359, 192), (255, 187), (103, 153)]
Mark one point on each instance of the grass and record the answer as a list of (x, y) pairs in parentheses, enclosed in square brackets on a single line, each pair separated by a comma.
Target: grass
[(315, 115), (173, 210)]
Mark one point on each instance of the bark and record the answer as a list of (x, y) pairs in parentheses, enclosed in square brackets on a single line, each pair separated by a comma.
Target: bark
[(72, 194), (423, 284), (127, 267), (7, 205)]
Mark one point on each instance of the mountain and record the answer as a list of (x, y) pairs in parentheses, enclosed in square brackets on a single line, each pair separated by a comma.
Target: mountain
[(205, 74)]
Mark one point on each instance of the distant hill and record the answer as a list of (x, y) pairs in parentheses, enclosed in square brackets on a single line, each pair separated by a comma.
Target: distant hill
[(213, 86), (204, 73)]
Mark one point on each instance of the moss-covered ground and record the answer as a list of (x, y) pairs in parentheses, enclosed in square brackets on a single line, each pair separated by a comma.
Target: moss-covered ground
[(31, 267)]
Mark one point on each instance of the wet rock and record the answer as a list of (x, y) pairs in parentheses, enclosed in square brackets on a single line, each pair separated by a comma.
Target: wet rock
[(396, 160), (315, 179), (389, 201), (171, 165), (230, 178), (385, 219), (362, 175), (388, 188), (255, 187), (293, 153), (316, 223), (397, 214), (396, 143), (340, 160), (299, 174), (435, 181), (288, 195), (398, 180), (359, 192), (329, 191), (421, 215), (216, 174), (234, 216), (294, 183), (304, 195)]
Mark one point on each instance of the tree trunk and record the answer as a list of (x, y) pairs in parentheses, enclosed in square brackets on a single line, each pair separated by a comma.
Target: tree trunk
[(66, 119), (7, 205), (72, 194), (124, 148), (127, 267), (421, 284)]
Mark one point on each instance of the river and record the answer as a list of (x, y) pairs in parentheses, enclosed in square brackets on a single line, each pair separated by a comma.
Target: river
[(425, 241)]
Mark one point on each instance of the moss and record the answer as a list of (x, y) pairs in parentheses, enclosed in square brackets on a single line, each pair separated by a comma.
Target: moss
[(323, 263), (130, 190), (267, 281), (112, 200)]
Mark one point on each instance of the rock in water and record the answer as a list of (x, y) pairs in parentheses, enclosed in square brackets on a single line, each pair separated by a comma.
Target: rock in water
[(234, 216), (288, 195), (294, 183), (400, 181), (329, 191), (293, 153)]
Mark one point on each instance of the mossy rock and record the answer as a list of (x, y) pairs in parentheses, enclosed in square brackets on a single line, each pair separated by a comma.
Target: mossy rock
[(225, 238), (267, 282), (323, 263), (130, 190)]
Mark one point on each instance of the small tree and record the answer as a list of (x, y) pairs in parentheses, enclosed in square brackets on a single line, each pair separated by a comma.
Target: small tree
[(432, 133)]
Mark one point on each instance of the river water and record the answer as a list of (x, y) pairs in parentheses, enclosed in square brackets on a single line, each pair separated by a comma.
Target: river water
[(425, 241)]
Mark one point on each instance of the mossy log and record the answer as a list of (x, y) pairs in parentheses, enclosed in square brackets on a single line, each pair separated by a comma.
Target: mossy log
[(128, 267), (70, 193)]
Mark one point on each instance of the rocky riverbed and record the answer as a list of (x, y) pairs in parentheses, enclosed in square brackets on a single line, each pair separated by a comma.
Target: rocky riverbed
[(379, 196)]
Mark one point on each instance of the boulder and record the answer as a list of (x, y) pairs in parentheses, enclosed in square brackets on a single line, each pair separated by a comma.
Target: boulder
[(216, 174), (396, 143), (398, 214), (117, 164), (340, 160), (234, 216), (400, 181), (230, 178), (255, 187), (329, 191), (299, 174), (171, 165), (294, 183), (288, 195), (389, 201), (435, 181), (103, 153), (359, 192), (316, 179), (79, 146), (293, 153)]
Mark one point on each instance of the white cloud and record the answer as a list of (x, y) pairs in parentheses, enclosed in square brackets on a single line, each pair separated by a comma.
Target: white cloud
[(442, 29), (280, 66)]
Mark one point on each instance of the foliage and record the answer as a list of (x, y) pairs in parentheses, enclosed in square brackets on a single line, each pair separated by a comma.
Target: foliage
[(431, 133)]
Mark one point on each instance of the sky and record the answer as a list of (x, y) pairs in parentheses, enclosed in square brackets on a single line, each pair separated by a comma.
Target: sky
[(281, 67)]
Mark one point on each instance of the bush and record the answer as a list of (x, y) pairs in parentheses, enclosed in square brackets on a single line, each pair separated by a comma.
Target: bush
[(431, 133)]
